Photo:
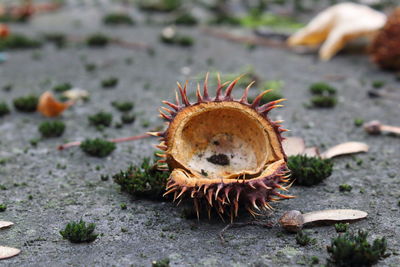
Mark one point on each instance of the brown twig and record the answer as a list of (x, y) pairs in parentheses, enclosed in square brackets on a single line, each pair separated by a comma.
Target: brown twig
[(231, 225), (117, 140), (252, 40)]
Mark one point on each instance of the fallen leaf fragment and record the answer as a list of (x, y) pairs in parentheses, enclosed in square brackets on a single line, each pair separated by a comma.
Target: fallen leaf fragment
[(8, 252), (51, 107), (344, 149), (76, 94), (293, 146), (4, 224), (4, 31), (293, 220), (336, 26), (334, 215)]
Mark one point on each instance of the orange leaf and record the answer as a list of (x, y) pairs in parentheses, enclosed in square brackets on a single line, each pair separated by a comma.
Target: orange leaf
[(51, 107)]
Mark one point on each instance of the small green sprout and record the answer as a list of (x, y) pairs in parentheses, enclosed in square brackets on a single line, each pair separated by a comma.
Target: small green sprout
[(322, 88), (323, 101), (352, 250), (160, 263), (303, 239), (18, 41), (358, 122), (97, 147), (79, 232), (101, 119), (128, 118), (26, 103), (309, 171), (123, 206), (109, 82), (114, 19), (123, 106), (3, 207), (51, 128), (90, 67), (186, 19), (4, 109), (378, 84), (314, 260), (60, 88), (341, 227), (144, 181), (345, 188), (98, 40)]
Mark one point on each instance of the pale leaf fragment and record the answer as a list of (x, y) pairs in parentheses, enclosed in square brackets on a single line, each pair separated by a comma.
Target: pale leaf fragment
[(334, 215), (293, 146), (8, 252), (76, 94), (311, 152), (4, 224), (344, 149)]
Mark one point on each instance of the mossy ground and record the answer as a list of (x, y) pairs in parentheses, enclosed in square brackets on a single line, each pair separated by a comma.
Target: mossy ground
[(46, 188)]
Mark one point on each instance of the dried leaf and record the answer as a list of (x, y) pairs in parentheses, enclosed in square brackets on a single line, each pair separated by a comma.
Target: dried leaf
[(4, 224), (8, 252), (337, 25), (51, 107), (345, 148), (293, 146), (334, 215), (4, 31), (76, 94)]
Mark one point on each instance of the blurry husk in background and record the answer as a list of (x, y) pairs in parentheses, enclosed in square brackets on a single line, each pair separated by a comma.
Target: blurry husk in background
[(385, 48)]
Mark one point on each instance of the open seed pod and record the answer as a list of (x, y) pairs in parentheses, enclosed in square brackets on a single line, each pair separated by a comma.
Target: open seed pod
[(223, 153)]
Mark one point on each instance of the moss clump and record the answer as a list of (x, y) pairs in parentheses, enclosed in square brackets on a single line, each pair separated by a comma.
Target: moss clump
[(109, 82), (177, 39), (345, 188), (341, 227), (18, 41), (349, 249), (79, 232), (51, 128), (358, 122), (128, 118), (97, 147), (160, 263), (309, 171), (322, 88), (115, 19), (26, 103), (3, 207), (98, 40), (225, 19), (378, 84), (323, 101), (60, 88), (144, 181), (123, 106), (57, 38), (4, 109), (303, 239), (102, 119), (159, 5), (186, 19)]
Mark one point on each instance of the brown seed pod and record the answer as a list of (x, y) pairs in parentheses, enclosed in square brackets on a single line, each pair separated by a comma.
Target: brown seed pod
[(223, 153), (384, 49)]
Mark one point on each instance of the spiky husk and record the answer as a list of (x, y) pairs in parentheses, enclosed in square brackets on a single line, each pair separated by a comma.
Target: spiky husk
[(385, 48), (253, 189)]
